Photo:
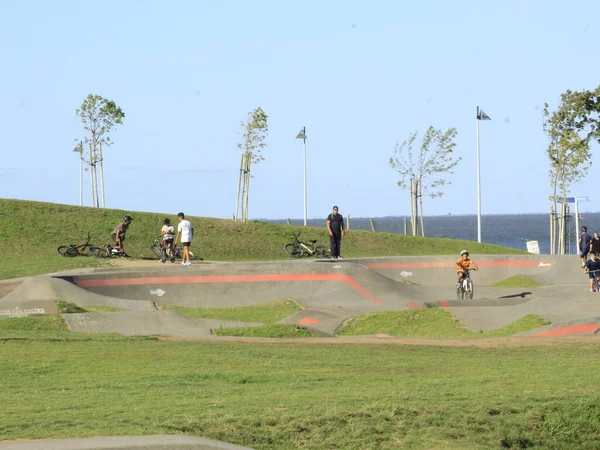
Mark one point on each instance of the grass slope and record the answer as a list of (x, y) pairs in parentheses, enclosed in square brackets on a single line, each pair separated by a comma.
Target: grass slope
[(30, 232), (289, 396), (428, 323), (516, 281)]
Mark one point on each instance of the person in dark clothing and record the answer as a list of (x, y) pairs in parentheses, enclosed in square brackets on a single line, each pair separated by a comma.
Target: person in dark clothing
[(335, 226), (585, 242), (596, 243), (592, 268)]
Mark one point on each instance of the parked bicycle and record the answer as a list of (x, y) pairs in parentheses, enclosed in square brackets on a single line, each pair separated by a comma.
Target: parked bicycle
[(158, 248), (297, 249), (107, 252), (75, 250), (466, 288)]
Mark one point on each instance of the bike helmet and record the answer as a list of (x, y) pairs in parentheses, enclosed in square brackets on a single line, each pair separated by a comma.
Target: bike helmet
[(127, 219), (464, 252)]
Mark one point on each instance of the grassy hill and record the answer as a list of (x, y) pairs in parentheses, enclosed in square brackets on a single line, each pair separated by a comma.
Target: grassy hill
[(30, 232)]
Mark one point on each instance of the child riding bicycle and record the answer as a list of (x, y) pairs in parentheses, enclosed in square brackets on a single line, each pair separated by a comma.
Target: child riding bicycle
[(168, 233), (463, 265), (592, 268)]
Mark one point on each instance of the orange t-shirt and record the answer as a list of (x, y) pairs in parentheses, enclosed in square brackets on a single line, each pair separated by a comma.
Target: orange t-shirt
[(462, 265)]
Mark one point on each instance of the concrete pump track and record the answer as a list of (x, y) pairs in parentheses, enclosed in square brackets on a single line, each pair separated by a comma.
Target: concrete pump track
[(329, 291)]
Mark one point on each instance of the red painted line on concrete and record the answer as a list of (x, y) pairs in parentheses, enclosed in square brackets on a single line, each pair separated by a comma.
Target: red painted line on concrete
[(445, 303), (413, 305), (577, 329), (8, 288), (309, 321), (432, 265), (230, 279)]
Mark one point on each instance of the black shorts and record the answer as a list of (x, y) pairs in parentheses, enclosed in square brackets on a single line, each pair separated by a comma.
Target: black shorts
[(168, 241), (591, 275), (186, 244), (584, 252)]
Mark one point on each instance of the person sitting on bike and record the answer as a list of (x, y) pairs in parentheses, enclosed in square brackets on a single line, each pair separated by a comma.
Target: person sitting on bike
[(168, 233), (119, 235), (463, 265), (592, 268)]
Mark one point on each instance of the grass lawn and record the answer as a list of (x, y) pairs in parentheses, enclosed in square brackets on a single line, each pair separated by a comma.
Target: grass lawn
[(428, 323), (30, 232), (305, 396), (516, 281)]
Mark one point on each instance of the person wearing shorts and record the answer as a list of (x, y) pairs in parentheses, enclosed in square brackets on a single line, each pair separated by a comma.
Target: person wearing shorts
[(119, 235), (592, 268), (585, 244), (185, 229), (168, 232)]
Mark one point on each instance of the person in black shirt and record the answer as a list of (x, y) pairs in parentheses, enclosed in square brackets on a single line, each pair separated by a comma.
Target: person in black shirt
[(596, 243), (335, 226), (592, 268)]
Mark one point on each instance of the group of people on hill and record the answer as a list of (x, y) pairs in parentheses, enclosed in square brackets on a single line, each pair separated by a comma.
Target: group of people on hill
[(185, 231), (589, 247)]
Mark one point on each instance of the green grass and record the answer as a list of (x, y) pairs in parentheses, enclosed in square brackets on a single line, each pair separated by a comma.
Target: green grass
[(428, 323), (267, 313), (516, 281), (292, 396), (266, 331), (71, 308), (30, 232)]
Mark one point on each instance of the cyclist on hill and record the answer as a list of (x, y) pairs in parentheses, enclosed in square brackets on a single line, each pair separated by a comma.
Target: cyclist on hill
[(168, 233), (592, 268), (463, 265), (119, 235)]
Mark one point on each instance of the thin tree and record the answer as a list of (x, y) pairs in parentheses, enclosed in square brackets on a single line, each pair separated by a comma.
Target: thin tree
[(253, 142), (99, 116), (426, 170), (570, 129)]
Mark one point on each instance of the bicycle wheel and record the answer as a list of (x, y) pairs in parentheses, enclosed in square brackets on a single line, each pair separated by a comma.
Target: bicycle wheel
[(97, 252), (459, 292), (322, 252), (192, 256), (156, 249), (470, 289), (596, 285), (62, 250), (71, 252), (294, 250), (163, 255)]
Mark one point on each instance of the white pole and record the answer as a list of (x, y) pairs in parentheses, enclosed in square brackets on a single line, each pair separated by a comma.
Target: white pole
[(577, 222), (81, 177), (478, 184), (305, 180)]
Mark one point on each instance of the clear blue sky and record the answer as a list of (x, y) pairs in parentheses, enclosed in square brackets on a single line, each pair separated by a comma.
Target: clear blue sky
[(359, 75)]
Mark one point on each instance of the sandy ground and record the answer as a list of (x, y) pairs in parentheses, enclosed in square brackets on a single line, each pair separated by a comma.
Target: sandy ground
[(520, 341)]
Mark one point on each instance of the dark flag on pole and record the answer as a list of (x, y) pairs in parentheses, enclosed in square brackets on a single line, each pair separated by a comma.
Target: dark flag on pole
[(481, 115)]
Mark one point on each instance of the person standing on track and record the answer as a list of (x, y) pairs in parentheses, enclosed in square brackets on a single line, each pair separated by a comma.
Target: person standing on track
[(167, 232), (596, 243), (335, 226), (185, 229)]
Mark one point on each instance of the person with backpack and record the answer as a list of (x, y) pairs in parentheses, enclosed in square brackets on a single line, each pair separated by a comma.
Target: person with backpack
[(585, 244)]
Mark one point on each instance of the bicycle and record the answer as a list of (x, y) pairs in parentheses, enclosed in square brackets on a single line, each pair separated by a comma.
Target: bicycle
[(74, 250), (106, 252), (297, 249), (157, 248), (596, 282), (466, 287)]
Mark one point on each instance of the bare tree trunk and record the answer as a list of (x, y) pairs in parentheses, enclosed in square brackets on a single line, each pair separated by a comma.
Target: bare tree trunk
[(102, 176), (91, 169), (237, 201), (416, 202), (248, 162), (413, 212), (421, 208)]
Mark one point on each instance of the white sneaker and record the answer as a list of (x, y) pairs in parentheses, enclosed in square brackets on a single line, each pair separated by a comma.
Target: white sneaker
[(183, 263), (187, 263), (339, 257)]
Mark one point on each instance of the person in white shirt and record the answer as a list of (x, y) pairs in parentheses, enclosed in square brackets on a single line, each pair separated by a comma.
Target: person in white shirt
[(185, 229), (168, 233)]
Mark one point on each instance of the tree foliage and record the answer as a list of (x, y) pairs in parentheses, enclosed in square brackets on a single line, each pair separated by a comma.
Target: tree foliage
[(426, 169)]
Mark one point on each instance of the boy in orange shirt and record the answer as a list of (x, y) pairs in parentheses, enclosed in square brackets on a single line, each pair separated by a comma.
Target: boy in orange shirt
[(463, 265)]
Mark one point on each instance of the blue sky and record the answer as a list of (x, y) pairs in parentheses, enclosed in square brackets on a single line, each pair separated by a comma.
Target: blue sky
[(359, 75)]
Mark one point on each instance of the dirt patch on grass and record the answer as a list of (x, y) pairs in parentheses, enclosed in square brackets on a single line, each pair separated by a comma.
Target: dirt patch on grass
[(519, 341)]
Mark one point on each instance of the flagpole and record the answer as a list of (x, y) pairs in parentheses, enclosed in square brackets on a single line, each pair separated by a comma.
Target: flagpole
[(478, 183)]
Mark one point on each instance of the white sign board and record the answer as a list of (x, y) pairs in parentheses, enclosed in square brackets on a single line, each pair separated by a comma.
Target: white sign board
[(533, 247)]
